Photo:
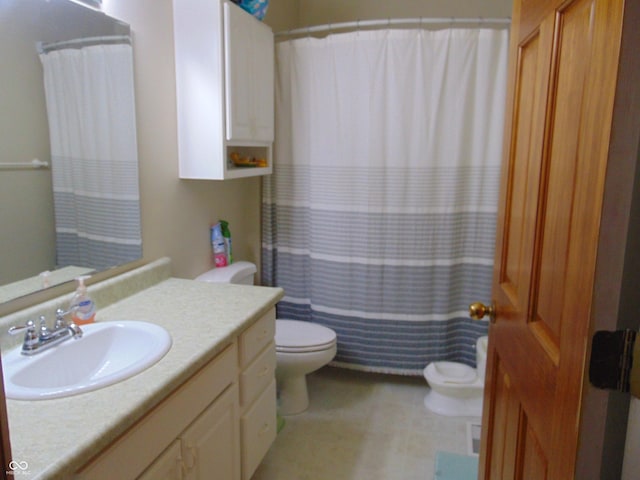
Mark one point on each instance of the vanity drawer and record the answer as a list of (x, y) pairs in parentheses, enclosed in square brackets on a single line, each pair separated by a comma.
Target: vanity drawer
[(258, 427), (256, 337), (258, 375)]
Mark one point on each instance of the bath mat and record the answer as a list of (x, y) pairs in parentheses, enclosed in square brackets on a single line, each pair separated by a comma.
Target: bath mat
[(453, 466), (473, 438)]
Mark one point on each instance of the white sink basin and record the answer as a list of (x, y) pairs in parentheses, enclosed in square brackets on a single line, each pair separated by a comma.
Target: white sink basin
[(108, 352)]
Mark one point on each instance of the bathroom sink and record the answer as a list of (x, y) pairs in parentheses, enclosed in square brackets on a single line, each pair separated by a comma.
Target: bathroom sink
[(108, 352)]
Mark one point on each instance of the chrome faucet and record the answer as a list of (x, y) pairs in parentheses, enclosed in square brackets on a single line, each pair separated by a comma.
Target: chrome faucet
[(43, 338)]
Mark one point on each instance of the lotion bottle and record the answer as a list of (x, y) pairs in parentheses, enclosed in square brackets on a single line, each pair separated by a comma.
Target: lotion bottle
[(83, 309)]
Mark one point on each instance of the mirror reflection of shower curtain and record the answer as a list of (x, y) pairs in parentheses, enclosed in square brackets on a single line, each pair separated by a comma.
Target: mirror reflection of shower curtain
[(91, 112), (379, 220)]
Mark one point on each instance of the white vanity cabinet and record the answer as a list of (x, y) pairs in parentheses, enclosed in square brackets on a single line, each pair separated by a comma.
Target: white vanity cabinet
[(205, 448), (218, 425), (224, 61), (257, 359), (168, 466), (205, 406)]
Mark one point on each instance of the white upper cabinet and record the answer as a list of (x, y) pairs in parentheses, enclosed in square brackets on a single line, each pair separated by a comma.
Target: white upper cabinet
[(225, 90)]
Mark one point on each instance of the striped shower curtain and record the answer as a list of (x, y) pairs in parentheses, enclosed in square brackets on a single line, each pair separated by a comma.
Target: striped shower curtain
[(379, 220), (94, 161)]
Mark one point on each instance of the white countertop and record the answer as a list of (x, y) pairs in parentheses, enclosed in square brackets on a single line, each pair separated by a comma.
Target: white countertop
[(56, 437)]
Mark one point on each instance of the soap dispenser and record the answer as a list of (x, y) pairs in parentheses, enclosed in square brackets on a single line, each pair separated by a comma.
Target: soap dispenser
[(83, 309)]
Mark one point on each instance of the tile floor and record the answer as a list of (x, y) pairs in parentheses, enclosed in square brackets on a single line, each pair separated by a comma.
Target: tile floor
[(363, 426)]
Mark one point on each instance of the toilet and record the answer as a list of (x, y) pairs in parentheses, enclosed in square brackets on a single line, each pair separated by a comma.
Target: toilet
[(456, 389), (301, 347)]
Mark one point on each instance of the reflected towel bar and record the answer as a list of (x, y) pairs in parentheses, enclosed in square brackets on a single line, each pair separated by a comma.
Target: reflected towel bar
[(32, 165)]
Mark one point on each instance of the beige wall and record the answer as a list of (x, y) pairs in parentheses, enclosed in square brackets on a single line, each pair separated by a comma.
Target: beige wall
[(27, 232), (176, 214), (282, 14), (315, 12)]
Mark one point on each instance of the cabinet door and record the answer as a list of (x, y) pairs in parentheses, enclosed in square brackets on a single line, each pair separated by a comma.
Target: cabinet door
[(249, 77), (258, 430), (168, 466), (263, 78), (211, 444)]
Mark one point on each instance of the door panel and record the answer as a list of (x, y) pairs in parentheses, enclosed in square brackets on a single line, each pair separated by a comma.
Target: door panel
[(572, 46), (505, 425), (515, 277), (562, 85), (534, 464)]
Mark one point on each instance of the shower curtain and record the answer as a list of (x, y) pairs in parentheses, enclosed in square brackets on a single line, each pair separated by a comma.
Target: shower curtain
[(379, 220), (91, 113)]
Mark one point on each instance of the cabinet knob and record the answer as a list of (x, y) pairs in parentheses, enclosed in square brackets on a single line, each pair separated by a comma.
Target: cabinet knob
[(264, 429)]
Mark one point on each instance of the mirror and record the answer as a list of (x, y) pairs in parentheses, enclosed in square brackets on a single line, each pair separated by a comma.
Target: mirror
[(80, 212)]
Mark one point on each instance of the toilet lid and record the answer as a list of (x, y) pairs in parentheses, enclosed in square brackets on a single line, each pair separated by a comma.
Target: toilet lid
[(296, 336)]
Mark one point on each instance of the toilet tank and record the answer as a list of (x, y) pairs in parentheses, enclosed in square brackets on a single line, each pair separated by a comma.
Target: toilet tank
[(240, 273)]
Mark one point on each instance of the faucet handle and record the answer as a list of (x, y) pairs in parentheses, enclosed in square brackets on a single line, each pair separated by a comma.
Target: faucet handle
[(76, 331), (31, 337), (60, 314), (44, 331), (30, 326), (60, 321)]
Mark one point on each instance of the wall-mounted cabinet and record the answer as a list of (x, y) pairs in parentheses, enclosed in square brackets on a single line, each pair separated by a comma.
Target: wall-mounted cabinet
[(225, 90)]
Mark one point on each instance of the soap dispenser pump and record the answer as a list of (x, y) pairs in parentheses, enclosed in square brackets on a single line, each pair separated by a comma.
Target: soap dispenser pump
[(83, 309)]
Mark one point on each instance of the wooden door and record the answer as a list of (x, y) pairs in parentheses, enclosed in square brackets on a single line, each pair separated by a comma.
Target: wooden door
[(563, 73)]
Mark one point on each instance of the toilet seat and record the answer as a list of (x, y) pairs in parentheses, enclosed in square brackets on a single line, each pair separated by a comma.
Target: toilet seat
[(294, 336), (450, 372)]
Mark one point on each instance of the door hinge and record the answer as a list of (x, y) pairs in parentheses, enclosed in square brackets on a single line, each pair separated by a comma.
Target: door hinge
[(612, 361)]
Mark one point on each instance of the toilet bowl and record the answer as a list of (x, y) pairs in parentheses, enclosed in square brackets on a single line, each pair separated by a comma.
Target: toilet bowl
[(456, 389), (301, 347)]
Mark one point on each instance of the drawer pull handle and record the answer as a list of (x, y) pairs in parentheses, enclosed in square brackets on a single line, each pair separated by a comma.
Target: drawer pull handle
[(264, 371), (263, 430)]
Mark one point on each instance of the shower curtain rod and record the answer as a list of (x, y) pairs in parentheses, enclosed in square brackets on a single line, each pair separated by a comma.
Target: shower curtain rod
[(82, 42), (394, 21)]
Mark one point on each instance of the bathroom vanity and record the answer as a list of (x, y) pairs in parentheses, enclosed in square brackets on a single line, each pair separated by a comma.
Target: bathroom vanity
[(206, 410)]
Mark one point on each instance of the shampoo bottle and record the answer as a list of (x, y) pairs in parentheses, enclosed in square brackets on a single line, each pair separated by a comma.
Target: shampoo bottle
[(83, 310), (226, 235), (219, 246)]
